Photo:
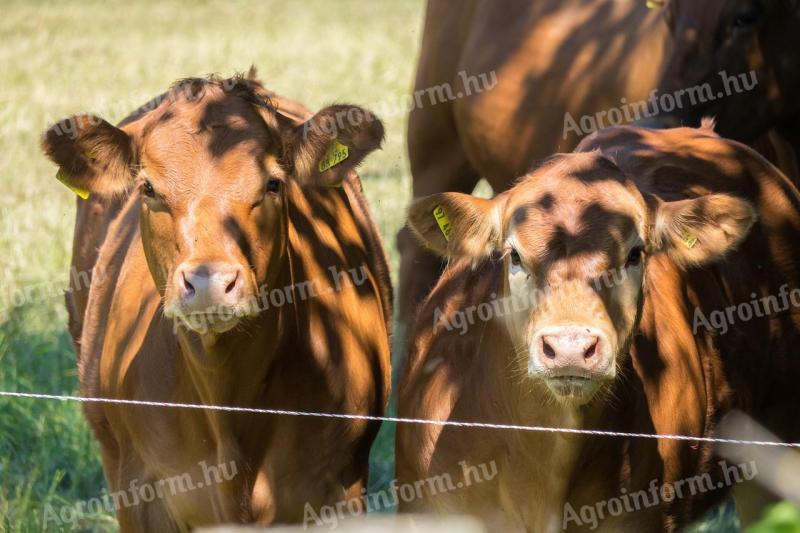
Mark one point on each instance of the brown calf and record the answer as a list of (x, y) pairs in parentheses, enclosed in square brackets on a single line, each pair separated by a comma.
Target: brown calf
[(239, 267), (585, 282)]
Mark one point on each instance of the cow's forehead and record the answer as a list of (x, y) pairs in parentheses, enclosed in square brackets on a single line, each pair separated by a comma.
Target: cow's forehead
[(214, 141), (574, 206), (220, 121)]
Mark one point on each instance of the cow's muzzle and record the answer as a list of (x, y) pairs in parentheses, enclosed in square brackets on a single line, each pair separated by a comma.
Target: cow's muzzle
[(573, 361), (210, 298)]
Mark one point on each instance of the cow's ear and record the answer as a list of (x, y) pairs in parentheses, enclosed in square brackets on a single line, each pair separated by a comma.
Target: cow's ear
[(454, 225), (92, 155), (700, 230), (324, 149)]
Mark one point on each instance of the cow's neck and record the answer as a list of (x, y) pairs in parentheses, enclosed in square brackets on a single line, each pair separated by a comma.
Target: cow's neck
[(230, 369), (528, 402)]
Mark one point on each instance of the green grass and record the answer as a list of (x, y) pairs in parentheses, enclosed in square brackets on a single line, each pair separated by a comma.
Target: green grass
[(61, 58)]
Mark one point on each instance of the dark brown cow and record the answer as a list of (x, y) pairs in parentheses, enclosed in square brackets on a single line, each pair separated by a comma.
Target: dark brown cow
[(519, 67), (743, 54), (587, 285), (235, 263)]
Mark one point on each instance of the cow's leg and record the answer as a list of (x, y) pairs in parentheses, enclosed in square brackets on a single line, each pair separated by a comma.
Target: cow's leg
[(438, 164)]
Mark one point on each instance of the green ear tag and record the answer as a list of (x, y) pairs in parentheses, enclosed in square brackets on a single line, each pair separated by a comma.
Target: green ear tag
[(83, 193), (336, 153), (689, 239), (443, 221)]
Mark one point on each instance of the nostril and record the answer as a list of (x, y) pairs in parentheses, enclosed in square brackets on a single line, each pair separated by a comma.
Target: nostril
[(548, 350), (591, 350), (232, 284), (187, 286)]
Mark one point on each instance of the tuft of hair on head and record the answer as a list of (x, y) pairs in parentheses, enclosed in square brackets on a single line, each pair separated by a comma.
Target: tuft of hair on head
[(708, 124), (245, 86)]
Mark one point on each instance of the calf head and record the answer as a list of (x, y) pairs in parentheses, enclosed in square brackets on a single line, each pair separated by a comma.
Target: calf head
[(211, 167), (575, 236), (744, 52)]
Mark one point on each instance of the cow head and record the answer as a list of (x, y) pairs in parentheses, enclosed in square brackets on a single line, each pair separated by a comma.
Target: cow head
[(736, 60), (575, 237), (212, 166)]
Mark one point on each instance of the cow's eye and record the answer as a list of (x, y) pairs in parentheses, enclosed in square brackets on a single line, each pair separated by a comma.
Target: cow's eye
[(273, 185), (634, 257), (147, 189), (515, 259), (747, 18)]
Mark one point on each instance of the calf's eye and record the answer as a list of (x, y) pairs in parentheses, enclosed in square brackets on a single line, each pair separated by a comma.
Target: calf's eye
[(273, 186), (147, 189), (515, 259), (634, 257)]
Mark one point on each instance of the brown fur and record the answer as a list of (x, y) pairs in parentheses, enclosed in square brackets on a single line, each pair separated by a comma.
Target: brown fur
[(208, 147), (571, 217)]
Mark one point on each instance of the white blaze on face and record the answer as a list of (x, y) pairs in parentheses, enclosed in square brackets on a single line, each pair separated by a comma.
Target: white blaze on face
[(518, 276), (522, 293)]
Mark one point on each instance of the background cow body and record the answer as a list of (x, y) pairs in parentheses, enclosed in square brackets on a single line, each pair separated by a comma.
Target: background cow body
[(318, 340), (680, 378), (754, 43)]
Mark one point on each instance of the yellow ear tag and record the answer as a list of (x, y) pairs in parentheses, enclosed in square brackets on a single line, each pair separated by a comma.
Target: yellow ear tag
[(689, 239), (652, 4), (443, 221), (336, 153), (83, 193)]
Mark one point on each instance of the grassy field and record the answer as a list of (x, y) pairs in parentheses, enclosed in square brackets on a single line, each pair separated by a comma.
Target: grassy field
[(109, 57)]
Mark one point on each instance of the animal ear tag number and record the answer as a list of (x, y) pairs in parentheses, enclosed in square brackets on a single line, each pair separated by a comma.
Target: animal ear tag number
[(336, 153), (443, 222), (63, 178), (689, 239)]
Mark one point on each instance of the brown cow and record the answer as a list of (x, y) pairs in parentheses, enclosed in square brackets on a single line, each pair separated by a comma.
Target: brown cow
[(239, 267), (520, 67), (573, 302)]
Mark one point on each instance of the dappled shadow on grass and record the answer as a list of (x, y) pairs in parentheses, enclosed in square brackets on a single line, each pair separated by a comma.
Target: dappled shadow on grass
[(47, 454)]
